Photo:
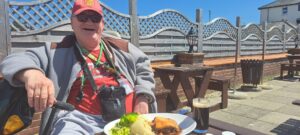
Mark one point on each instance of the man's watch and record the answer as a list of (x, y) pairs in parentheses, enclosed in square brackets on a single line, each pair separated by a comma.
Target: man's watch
[(146, 96)]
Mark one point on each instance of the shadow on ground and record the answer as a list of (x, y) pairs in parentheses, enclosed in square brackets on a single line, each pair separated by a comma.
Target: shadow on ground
[(288, 78), (289, 127)]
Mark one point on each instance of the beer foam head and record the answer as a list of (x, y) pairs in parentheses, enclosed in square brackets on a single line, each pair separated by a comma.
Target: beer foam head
[(200, 103)]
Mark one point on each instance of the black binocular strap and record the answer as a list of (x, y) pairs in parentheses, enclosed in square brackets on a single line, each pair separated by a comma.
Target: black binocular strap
[(85, 67)]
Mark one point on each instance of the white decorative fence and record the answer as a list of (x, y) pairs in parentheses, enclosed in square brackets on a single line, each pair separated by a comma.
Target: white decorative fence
[(160, 35)]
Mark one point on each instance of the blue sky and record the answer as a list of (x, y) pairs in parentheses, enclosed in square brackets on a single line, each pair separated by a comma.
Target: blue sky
[(246, 9)]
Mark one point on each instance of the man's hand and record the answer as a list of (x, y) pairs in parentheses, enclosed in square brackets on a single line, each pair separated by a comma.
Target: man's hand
[(141, 105), (40, 89)]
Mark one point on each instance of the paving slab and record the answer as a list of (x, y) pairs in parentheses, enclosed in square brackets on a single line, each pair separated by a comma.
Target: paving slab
[(277, 99), (231, 118), (267, 105), (262, 126), (231, 106), (267, 87), (290, 110), (279, 83), (277, 118), (267, 111), (289, 127), (291, 80), (256, 113), (285, 93), (293, 88), (248, 111), (253, 94)]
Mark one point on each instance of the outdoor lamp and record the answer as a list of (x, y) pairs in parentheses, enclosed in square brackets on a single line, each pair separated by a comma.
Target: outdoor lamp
[(192, 39)]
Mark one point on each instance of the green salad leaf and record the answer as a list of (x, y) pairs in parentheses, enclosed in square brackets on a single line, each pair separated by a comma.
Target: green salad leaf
[(123, 126), (127, 119), (120, 131)]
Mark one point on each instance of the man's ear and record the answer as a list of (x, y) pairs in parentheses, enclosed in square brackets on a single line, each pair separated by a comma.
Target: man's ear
[(102, 25)]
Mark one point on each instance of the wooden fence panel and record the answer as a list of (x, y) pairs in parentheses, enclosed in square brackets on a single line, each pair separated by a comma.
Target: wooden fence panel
[(160, 35)]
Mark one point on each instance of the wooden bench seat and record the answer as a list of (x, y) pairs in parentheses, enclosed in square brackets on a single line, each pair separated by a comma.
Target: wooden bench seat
[(291, 68), (218, 83)]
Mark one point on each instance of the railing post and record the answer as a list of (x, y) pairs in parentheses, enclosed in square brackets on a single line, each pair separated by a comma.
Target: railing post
[(5, 44), (264, 27), (239, 36), (237, 51), (134, 29), (284, 37), (264, 38), (200, 29), (298, 35)]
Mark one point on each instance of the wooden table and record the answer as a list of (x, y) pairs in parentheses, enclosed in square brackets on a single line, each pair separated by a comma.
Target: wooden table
[(291, 59), (182, 75), (216, 127)]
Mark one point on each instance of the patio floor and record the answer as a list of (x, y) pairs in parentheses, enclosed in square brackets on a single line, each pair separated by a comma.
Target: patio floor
[(267, 111)]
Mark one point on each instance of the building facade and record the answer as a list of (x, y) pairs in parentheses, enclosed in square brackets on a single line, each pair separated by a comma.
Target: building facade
[(281, 10)]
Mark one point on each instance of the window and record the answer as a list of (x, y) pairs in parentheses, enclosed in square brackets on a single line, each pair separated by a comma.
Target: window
[(284, 10), (298, 6), (298, 21)]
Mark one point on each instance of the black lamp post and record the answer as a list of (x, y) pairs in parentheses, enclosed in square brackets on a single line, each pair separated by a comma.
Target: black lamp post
[(192, 39)]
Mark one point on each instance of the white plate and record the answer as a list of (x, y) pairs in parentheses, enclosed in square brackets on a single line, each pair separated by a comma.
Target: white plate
[(186, 123)]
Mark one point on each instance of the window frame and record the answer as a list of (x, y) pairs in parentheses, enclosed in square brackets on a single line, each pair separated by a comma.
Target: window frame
[(284, 10), (298, 21)]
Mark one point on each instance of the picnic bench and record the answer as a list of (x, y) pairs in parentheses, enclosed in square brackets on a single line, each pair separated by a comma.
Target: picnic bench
[(291, 68), (171, 77), (293, 65)]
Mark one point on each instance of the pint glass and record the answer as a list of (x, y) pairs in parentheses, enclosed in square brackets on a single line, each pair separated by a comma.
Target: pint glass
[(201, 113)]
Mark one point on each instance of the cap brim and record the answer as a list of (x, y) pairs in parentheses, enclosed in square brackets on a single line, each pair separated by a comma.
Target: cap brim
[(85, 9)]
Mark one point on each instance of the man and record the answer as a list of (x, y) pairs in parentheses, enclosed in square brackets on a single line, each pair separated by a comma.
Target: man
[(57, 72)]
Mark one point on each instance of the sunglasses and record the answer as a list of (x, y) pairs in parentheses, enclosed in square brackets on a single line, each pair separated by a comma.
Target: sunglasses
[(95, 18)]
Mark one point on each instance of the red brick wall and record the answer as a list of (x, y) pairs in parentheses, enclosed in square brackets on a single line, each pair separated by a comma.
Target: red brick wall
[(271, 69), (34, 127)]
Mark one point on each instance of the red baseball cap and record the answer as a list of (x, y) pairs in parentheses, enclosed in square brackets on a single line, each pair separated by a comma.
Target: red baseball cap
[(83, 5)]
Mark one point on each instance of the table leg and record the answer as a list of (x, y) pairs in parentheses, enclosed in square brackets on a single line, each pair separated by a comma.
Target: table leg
[(173, 86), (200, 92), (187, 88), (173, 95), (291, 72), (165, 79)]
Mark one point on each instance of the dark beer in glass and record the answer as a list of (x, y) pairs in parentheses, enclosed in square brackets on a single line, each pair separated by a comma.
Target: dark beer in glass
[(201, 113)]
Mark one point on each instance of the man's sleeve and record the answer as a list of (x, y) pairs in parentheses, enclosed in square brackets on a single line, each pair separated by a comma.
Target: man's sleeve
[(144, 83), (30, 59)]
